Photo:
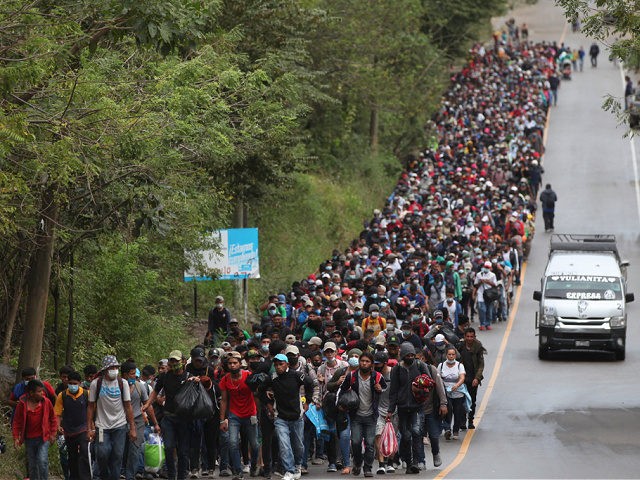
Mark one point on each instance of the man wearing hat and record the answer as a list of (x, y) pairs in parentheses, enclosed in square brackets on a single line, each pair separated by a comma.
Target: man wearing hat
[(287, 407), (175, 429), (485, 279), (110, 417), (401, 398)]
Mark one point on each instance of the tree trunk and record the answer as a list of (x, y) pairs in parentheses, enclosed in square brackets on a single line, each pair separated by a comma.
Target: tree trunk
[(38, 283), (373, 130), (70, 324), (11, 317), (56, 315)]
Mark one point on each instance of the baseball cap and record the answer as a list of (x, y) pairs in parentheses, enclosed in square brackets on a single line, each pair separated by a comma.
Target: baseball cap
[(225, 345), (487, 264), (176, 355), (439, 338), (281, 358), (329, 346), (292, 349), (290, 337), (315, 341), (393, 340), (380, 357)]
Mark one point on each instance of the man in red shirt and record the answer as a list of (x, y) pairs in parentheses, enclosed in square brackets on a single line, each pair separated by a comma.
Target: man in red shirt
[(35, 425), (238, 412)]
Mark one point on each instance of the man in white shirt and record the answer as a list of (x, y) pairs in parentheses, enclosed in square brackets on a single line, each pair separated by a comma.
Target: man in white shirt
[(485, 279)]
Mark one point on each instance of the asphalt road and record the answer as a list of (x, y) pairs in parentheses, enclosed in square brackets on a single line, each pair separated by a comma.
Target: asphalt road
[(575, 416)]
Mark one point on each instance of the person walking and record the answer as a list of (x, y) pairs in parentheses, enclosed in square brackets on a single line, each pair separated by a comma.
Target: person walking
[(554, 84), (218, 323), (594, 51), (485, 279), (35, 425), (238, 412), (453, 375), (287, 407), (581, 55), (548, 199), (109, 415), (71, 410), (368, 384), (628, 91), (472, 357)]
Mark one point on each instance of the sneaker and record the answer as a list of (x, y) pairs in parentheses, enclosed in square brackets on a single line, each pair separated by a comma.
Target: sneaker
[(194, 474), (447, 435), (482, 327), (488, 327), (238, 476), (332, 468), (381, 470), (463, 427), (225, 472), (437, 461), (422, 466), (390, 469), (317, 461), (298, 473), (454, 436), (288, 476), (304, 471), (471, 426), (205, 473), (246, 468), (368, 473), (254, 472), (355, 471)]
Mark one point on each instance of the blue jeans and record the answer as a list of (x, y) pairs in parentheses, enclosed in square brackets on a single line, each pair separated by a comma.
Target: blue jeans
[(421, 415), (344, 442), (363, 428), (175, 432), (110, 451), (485, 313), (37, 458), (411, 436), (133, 453), (433, 429), (236, 425), (290, 433)]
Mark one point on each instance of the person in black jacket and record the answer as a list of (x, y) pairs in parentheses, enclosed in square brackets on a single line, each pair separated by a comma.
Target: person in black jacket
[(218, 323), (401, 397), (548, 198), (288, 407), (368, 385)]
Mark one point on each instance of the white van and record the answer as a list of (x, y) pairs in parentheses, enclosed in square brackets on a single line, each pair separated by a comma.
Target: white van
[(583, 296)]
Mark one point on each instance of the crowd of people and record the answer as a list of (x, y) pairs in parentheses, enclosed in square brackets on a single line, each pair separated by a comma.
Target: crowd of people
[(382, 332)]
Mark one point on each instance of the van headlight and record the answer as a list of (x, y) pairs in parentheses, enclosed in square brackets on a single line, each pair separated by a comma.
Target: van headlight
[(548, 318), (617, 322)]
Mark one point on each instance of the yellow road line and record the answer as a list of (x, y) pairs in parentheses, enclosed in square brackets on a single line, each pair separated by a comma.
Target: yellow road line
[(464, 448)]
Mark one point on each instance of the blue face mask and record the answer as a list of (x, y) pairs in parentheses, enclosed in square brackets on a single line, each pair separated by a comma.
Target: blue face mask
[(73, 389), (264, 348), (131, 381), (351, 322), (353, 362)]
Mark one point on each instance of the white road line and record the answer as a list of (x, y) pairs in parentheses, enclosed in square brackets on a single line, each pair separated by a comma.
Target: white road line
[(634, 158)]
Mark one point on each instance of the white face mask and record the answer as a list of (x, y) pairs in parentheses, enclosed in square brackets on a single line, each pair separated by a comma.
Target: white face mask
[(374, 314), (112, 374)]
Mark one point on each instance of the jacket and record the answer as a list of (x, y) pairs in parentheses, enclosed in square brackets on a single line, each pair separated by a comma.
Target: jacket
[(548, 198), (477, 357), (401, 396), (49, 420)]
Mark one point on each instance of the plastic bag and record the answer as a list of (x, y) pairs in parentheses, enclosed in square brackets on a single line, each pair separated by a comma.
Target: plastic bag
[(193, 401), (316, 416), (349, 400), (153, 454), (388, 441), (329, 406)]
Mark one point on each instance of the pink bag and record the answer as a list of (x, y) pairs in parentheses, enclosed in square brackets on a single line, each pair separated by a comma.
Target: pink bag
[(389, 441)]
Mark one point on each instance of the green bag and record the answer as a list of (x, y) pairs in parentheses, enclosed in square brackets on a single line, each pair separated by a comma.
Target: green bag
[(153, 454)]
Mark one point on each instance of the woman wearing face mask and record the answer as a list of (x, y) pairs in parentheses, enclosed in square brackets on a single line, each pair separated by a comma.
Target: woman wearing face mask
[(453, 375)]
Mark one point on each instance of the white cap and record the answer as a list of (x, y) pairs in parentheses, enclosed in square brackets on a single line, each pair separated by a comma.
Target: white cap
[(292, 349), (439, 338)]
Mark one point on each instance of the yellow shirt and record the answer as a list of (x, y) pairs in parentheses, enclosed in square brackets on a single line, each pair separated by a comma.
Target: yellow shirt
[(58, 407), (376, 324)]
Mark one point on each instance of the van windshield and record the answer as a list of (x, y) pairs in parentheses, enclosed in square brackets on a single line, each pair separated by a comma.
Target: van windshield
[(583, 287)]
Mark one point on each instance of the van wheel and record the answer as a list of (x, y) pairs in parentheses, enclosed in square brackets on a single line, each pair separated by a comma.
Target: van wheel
[(620, 354), (543, 353)]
